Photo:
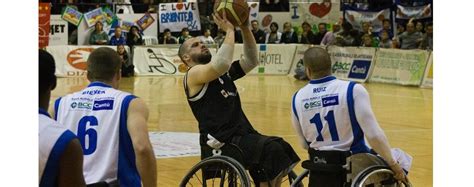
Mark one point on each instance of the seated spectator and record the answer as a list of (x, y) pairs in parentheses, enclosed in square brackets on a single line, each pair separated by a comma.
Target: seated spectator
[(367, 41), (168, 38), (258, 33), (387, 26), (427, 40), (321, 33), (400, 29), (385, 41), (117, 38), (134, 37), (307, 37), (330, 37), (98, 37), (273, 37), (184, 35), (367, 30), (219, 39), (288, 35), (410, 39), (206, 38), (419, 27), (127, 66), (348, 36)]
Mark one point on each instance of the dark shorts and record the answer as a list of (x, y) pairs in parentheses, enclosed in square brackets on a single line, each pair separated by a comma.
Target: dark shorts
[(265, 161)]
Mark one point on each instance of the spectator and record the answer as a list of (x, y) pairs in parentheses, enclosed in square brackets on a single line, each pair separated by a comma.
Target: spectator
[(400, 29), (117, 38), (134, 37), (336, 28), (127, 66), (387, 26), (220, 37), (99, 37), (168, 38), (288, 35), (348, 36), (206, 38), (184, 35), (410, 39), (385, 41), (419, 27), (330, 37), (273, 37), (321, 33), (258, 33), (427, 40), (307, 37), (367, 41), (367, 30)]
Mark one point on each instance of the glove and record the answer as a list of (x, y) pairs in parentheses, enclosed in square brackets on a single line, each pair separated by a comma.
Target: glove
[(213, 142)]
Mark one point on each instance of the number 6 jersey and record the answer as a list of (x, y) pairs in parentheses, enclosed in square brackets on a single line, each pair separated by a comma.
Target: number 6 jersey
[(98, 116), (324, 115)]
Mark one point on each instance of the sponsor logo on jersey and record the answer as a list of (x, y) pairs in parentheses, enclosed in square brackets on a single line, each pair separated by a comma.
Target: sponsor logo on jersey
[(81, 105), (330, 101), (93, 92), (103, 105), (312, 104), (359, 69)]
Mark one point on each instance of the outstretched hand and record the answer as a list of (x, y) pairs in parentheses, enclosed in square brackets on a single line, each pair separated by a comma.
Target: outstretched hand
[(222, 22)]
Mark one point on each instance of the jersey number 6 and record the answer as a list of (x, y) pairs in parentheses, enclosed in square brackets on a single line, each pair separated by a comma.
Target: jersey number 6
[(82, 132)]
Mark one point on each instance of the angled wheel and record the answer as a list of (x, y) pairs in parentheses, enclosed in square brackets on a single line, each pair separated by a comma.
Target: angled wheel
[(298, 180), (217, 171), (377, 176)]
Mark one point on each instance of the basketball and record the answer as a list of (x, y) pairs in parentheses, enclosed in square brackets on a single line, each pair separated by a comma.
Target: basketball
[(237, 11)]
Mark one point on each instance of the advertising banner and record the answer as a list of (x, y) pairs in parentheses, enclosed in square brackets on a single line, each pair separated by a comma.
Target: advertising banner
[(428, 78), (58, 34), (71, 60), (44, 12), (274, 59), (352, 63), (176, 16), (405, 67)]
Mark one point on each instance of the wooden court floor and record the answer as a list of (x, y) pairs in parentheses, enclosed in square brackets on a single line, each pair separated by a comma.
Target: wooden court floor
[(404, 113)]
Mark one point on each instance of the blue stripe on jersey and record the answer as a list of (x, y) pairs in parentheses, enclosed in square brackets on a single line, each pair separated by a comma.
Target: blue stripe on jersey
[(51, 169), (42, 111), (322, 80), (56, 108), (294, 108), (101, 84), (358, 144), (127, 170)]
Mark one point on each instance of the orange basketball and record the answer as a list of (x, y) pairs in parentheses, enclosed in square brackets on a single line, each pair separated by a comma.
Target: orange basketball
[(237, 11)]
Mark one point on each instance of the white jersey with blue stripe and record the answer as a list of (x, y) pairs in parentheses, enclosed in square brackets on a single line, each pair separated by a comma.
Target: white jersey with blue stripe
[(53, 139), (98, 116), (324, 114)]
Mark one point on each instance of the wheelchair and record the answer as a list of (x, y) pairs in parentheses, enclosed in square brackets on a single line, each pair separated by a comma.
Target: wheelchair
[(361, 170), (217, 169)]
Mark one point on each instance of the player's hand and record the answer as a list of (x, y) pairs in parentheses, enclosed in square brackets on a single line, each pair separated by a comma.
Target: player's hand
[(222, 22), (399, 174)]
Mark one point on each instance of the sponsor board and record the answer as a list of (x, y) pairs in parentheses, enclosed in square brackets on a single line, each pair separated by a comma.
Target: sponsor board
[(351, 63)]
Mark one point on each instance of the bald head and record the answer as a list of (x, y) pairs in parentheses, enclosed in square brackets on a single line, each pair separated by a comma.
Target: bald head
[(317, 62), (103, 64)]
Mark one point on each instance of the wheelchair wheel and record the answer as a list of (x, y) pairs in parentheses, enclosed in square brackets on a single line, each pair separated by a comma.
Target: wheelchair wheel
[(377, 176), (217, 171), (298, 180)]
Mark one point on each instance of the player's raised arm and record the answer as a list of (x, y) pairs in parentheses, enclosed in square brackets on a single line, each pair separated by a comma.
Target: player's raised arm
[(197, 56), (250, 59), (137, 127)]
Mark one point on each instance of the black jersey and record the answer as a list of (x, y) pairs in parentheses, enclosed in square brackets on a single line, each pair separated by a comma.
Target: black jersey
[(217, 107)]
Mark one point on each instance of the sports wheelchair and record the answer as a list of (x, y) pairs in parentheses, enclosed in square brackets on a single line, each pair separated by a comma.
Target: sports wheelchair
[(216, 169), (359, 170)]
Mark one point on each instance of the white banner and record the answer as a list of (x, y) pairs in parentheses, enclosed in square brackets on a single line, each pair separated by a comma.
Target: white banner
[(274, 59), (71, 60), (253, 13), (84, 32), (160, 60), (405, 67), (417, 12), (58, 34), (428, 78), (375, 18), (352, 63), (314, 12), (176, 16)]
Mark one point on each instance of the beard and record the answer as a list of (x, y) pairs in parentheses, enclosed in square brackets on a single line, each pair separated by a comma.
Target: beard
[(202, 58)]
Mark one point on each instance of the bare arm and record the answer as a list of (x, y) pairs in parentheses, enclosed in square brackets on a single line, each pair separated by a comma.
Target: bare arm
[(137, 127), (297, 126), (70, 166), (372, 130), (250, 59)]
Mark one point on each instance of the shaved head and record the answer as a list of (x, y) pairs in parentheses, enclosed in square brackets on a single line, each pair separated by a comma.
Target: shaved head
[(317, 62)]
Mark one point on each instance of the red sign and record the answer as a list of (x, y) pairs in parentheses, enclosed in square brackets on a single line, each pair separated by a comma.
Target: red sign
[(43, 24)]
